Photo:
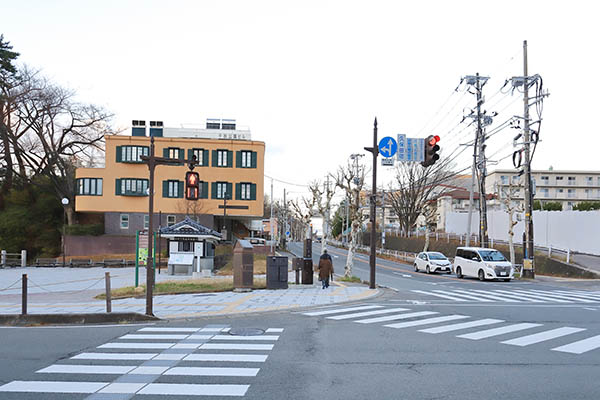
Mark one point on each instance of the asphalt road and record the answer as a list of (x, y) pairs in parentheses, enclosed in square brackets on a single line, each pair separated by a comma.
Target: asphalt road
[(434, 337)]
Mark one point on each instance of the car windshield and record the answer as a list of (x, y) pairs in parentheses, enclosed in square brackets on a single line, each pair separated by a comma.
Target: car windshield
[(436, 256), (491, 255)]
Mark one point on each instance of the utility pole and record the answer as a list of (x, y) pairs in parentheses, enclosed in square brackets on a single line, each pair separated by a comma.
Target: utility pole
[(372, 259), (285, 221), (271, 219), (383, 219), (529, 253)]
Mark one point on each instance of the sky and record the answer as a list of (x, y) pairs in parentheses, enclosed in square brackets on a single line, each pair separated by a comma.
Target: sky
[(309, 77)]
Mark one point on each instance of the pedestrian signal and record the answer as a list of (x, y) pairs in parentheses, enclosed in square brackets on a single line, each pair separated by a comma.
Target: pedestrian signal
[(192, 185)]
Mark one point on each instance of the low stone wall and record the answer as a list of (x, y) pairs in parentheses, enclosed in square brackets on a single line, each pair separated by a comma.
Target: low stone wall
[(105, 244)]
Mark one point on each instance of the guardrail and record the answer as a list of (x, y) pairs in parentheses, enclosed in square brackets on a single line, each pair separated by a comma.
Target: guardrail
[(13, 259)]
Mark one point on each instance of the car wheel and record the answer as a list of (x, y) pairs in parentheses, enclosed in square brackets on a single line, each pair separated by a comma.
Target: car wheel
[(416, 268), (459, 274), (427, 269), (481, 275)]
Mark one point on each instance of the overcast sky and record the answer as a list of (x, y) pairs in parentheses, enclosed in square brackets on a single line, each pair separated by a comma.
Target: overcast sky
[(309, 77)]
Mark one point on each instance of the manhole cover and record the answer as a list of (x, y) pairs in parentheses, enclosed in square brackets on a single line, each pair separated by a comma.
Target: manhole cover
[(246, 332)]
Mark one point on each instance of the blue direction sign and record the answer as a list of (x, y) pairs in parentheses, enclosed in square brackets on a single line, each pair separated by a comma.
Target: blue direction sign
[(388, 146), (410, 149)]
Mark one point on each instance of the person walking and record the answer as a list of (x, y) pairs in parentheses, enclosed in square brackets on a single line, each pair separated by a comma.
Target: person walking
[(325, 269)]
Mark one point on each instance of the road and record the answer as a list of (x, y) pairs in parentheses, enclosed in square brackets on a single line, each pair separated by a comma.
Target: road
[(433, 337)]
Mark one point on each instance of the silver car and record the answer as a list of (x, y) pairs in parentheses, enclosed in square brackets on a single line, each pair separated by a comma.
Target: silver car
[(432, 261)]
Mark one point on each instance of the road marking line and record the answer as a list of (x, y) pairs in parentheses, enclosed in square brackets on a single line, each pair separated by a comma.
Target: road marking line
[(463, 325), (235, 346), (581, 346), (114, 356), (234, 337), (470, 297), (200, 337), (145, 337), (498, 331), (516, 296), (340, 310), (490, 296), (536, 296), (153, 329), (574, 297), (121, 387), (226, 357), (148, 370), (274, 330), (170, 356), (542, 336), (438, 295), (396, 317), (86, 369), (212, 371), (194, 389), (426, 321), (367, 313), (53, 387), (118, 345)]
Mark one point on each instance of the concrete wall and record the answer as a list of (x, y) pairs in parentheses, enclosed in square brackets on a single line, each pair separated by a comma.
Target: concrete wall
[(112, 222), (574, 230)]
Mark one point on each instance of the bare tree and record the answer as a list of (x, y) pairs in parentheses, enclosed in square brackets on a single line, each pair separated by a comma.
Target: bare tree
[(304, 212), (351, 180), (507, 197), (191, 208), (322, 199), (414, 186), (428, 218)]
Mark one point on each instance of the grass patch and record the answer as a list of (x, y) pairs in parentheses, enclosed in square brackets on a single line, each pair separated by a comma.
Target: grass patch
[(351, 279), (260, 266), (180, 287)]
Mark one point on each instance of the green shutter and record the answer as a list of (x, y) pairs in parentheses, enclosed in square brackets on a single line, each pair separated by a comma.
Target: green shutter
[(181, 154), (180, 189), (253, 165), (213, 189), (190, 154), (205, 158), (117, 187), (214, 158), (238, 159), (166, 152), (229, 191), (238, 191), (165, 188), (119, 153), (253, 191), (230, 159), (204, 193)]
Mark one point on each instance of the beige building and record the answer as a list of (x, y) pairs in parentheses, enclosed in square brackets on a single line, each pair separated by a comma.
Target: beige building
[(564, 186), (230, 164)]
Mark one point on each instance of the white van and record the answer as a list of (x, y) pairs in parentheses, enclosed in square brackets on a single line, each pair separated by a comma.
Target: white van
[(482, 263)]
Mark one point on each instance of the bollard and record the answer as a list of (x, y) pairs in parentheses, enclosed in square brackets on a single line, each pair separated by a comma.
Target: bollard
[(448, 238), (3, 258), (108, 299), (23, 258), (24, 295)]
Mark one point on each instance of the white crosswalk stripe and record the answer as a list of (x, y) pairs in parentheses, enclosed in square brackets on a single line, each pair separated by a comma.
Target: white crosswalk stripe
[(580, 346), (438, 295), (498, 331), (513, 296), (396, 317), (366, 313), (130, 378), (462, 295), (427, 321), (543, 336), (340, 310), (462, 325)]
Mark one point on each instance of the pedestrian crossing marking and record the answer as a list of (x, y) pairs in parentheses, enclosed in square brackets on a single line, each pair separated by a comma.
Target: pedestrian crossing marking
[(194, 389), (481, 293), (366, 313), (426, 321), (396, 317), (121, 387), (512, 296), (212, 371), (469, 297), (498, 331), (236, 346), (581, 346), (438, 295), (233, 337), (462, 325), (226, 357), (159, 329), (340, 310), (87, 369), (53, 387), (539, 296), (165, 337), (543, 336), (114, 356)]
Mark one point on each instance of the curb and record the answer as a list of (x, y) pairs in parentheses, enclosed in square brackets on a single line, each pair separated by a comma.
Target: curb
[(77, 319)]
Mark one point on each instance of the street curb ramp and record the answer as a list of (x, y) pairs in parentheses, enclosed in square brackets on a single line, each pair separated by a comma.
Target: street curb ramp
[(73, 319)]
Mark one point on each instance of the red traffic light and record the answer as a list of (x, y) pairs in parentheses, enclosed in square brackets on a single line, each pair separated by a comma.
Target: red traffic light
[(192, 185), (434, 140)]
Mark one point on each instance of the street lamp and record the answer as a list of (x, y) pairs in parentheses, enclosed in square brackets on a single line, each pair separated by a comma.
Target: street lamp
[(65, 203)]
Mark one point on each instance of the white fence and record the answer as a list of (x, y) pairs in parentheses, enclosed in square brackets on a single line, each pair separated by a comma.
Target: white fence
[(574, 230)]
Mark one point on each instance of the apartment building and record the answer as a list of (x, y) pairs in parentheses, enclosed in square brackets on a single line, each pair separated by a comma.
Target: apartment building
[(230, 164), (564, 186)]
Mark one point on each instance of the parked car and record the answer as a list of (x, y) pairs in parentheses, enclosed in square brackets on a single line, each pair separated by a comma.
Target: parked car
[(482, 263), (256, 241), (432, 261)]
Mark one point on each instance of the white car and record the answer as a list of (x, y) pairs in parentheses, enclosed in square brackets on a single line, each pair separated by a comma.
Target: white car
[(432, 261), (482, 263)]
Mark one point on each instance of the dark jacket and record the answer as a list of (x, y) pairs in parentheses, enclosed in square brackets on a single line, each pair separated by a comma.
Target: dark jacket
[(325, 266)]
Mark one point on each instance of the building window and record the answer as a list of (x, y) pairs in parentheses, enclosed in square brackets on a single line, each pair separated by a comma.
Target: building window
[(515, 179), (571, 193), (89, 186), (185, 246), (173, 189), (559, 180), (504, 179), (221, 158), (559, 192), (590, 180), (545, 180), (246, 159), (173, 152), (131, 154), (569, 205), (221, 190), (598, 194), (545, 192), (199, 153), (132, 187), (124, 221), (588, 193), (245, 191), (146, 221), (170, 220), (571, 180)]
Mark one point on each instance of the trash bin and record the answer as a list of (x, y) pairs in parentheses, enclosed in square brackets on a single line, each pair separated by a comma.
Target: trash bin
[(243, 265), (307, 271), (307, 248), (277, 272)]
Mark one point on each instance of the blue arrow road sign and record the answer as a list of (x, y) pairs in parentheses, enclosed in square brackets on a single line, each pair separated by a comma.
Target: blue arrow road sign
[(387, 146)]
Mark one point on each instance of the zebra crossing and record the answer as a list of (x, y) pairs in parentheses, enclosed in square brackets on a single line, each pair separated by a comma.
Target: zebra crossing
[(515, 296), (141, 363), (477, 328)]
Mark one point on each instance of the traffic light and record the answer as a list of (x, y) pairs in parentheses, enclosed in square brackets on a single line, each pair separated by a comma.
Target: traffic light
[(430, 151), (192, 185)]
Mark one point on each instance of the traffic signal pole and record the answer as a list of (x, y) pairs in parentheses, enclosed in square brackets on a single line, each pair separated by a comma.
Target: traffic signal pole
[(529, 247), (373, 199)]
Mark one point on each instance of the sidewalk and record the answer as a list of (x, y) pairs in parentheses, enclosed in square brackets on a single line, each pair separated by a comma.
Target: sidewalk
[(68, 291)]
